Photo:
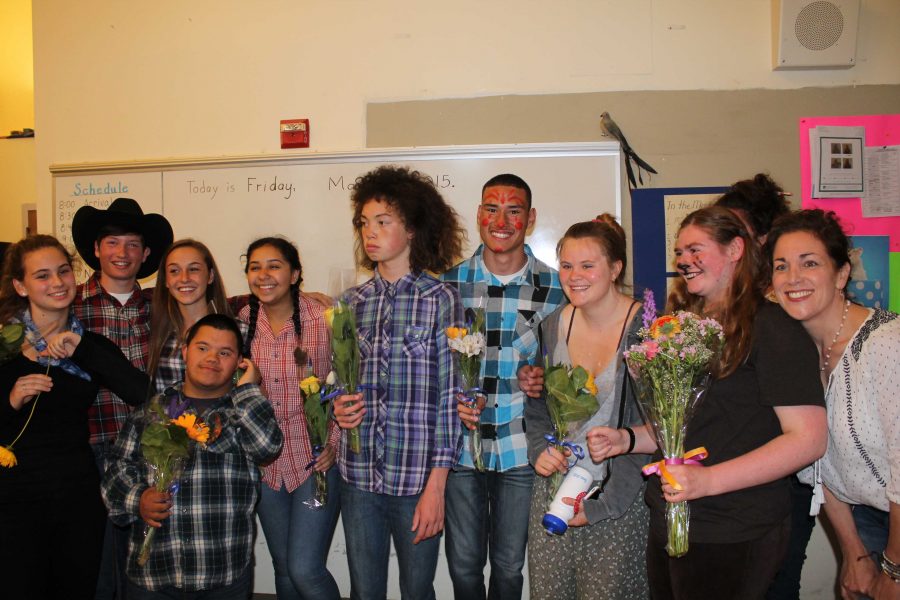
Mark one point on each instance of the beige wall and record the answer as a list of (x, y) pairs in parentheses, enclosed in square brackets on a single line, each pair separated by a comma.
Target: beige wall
[(689, 81), (17, 157)]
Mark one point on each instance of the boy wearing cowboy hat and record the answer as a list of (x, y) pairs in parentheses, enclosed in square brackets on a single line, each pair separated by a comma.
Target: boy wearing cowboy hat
[(122, 245)]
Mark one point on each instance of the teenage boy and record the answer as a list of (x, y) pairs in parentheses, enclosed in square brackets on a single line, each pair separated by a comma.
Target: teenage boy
[(122, 245), (394, 487), (203, 546), (489, 511)]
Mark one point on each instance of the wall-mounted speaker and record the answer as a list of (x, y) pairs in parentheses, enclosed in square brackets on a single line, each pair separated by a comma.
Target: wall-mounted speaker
[(814, 34)]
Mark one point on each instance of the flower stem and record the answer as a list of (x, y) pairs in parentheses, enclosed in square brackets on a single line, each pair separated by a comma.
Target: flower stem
[(30, 414)]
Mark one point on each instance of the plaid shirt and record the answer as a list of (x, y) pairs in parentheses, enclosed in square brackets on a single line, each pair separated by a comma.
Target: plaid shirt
[(207, 542), (274, 355), (128, 327), (513, 312), (410, 425)]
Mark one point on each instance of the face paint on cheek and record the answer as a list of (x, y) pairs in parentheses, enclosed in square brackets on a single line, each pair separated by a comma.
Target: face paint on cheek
[(485, 222), (519, 225)]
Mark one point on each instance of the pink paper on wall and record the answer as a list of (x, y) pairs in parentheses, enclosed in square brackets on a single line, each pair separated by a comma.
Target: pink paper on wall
[(881, 130)]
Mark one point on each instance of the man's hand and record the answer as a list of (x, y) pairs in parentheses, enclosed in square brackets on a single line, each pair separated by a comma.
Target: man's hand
[(155, 506), (428, 518), (349, 410), (468, 414)]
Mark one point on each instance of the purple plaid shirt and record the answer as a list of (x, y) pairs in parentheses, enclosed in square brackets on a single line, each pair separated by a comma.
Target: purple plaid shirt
[(128, 327), (410, 425)]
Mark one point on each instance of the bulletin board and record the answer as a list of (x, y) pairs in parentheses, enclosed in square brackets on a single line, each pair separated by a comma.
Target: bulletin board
[(881, 130), (655, 216)]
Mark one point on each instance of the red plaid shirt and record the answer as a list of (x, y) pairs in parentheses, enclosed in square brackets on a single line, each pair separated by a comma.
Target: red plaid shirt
[(274, 355), (128, 327)]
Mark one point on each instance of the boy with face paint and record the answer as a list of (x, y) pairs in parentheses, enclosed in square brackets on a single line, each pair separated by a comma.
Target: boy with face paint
[(487, 513)]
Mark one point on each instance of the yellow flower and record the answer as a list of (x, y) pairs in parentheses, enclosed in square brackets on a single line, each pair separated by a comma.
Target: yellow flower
[(590, 386), (666, 325), (310, 385), (7, 458), (196, 429), (329, 316), (456, 332)]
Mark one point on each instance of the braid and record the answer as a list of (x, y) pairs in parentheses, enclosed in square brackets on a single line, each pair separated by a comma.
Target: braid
[(300, 356), (251, 330)]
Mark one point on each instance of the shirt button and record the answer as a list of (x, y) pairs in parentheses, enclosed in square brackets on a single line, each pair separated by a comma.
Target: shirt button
[(496, 405), (275, 355), (276, 380), (184, 511)]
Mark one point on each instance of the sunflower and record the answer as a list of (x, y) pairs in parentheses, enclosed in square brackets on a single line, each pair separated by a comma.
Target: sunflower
[(7, 458), (590, 386), (196, 429)]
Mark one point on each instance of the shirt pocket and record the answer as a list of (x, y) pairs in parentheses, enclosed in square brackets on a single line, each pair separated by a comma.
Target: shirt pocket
[(525, 341), (415, 340), (364, 340)]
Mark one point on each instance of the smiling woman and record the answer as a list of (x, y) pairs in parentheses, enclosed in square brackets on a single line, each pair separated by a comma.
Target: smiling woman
[(858, 349), (45, 394)]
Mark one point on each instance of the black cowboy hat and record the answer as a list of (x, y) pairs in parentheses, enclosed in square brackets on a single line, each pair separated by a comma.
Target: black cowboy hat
[(125, 213)]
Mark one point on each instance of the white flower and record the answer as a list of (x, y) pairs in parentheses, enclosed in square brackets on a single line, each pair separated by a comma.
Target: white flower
[(332, 377)]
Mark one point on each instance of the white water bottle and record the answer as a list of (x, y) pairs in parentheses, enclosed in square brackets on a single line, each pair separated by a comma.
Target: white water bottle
[(577, 480)]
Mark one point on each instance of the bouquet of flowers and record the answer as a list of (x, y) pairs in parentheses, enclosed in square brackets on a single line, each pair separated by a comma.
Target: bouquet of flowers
[(670, 368), (571, 397), (467, 345), (170, 434), (317, 414), (345, 356), (11, 337)]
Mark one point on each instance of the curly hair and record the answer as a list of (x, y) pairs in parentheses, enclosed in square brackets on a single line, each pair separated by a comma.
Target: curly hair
[(437, 235), (607, 232), (760, 199), (744, 296), (11, 303), (165, 318), (824, 226)]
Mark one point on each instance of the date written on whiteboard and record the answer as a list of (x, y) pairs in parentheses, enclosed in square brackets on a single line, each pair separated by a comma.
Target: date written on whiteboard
[(439, 181)]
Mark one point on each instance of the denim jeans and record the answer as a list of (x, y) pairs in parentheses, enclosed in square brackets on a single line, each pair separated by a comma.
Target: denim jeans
[(787, 581), (111, 579), (371, 521), (872, 527), (299, 538), (487, 513), (240, 589)]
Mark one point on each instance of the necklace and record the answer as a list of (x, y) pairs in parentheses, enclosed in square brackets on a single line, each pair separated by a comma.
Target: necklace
[(836, 334)]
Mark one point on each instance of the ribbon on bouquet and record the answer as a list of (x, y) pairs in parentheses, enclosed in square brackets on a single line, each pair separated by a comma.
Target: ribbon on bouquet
[(340, 391), (577, 451), (317, 450), (691, 457), (469, 395)]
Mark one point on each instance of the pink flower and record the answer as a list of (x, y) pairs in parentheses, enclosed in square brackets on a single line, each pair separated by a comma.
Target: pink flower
[(650, 348)]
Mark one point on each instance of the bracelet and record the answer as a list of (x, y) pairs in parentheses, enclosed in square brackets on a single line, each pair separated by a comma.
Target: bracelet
[(890, 568), (631, 439)]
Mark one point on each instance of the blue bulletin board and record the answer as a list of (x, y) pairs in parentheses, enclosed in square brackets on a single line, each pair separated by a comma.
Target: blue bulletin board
[(651, 210)]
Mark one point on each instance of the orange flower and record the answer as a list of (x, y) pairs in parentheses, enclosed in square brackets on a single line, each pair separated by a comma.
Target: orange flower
[(196, 429), (456, 332), (7, 458), (590, 386), (666, 325)]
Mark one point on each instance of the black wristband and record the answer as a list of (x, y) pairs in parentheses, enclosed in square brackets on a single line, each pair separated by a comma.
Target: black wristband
[(631, 440)]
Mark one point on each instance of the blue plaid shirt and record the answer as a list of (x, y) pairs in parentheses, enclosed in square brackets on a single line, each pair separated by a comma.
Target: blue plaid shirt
[(513, 312), (410, 425)]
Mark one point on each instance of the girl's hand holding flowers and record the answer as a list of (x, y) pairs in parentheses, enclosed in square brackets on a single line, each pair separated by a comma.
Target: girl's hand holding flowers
[(531, 380), (694, 481), (552, 461), (349, 410), (325, 460), (27, 388)]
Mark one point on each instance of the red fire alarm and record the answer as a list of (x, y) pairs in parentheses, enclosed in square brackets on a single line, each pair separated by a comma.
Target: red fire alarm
[(295, 133)]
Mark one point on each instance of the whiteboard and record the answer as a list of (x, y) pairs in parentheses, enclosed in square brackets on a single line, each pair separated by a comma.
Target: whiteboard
[(229, 202)]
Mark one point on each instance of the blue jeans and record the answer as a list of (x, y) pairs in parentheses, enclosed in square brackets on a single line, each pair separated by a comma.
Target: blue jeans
[(240, 589), (488, 512), (370, 522), (872, 527), (299, 538)]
